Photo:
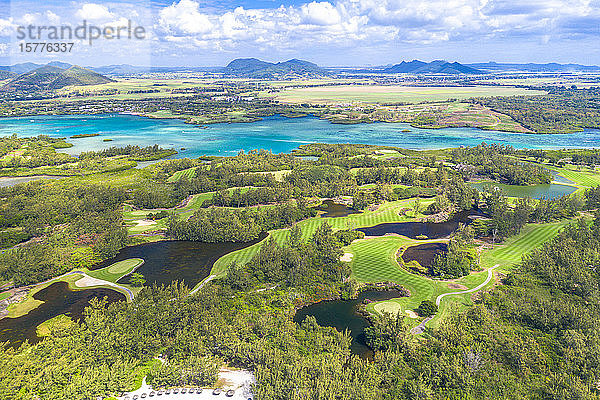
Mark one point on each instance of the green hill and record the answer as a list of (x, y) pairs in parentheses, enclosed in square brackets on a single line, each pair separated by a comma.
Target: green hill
[(254, 68), (49, 77)]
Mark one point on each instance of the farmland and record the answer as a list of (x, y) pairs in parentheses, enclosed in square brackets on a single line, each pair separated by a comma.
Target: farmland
[(372, 94)]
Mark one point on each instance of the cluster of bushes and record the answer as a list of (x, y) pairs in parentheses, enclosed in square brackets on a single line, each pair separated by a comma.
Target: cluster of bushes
[(238, 225)]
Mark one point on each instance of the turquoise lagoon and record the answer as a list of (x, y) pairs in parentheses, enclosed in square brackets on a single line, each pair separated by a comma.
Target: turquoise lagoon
[(277, 134)]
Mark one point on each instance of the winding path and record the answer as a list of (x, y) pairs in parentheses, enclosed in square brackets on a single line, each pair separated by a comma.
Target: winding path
[(201, 285), (490, 274), (421, 327)]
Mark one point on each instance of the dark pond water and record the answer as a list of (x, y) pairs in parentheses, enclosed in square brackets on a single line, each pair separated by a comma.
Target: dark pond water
[(424, 253), (334, 210), (58, 299), (342, 315), (543, 191), (414, 230), (173, 260)]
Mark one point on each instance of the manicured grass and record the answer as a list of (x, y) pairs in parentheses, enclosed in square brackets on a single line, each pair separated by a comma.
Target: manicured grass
[(512, 250), (186, 173), (585, 177), (374, 260), (4, 295), (388, 212), (116, 271)]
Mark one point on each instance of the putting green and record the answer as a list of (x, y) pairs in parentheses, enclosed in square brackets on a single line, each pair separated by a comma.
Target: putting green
[(121, 267)]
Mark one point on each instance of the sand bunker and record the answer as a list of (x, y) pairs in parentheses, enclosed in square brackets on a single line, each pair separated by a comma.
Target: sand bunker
[(347, 257)]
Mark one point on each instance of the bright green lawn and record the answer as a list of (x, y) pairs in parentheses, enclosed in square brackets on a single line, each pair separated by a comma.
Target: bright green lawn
[(388, 212), (511, 251), (116, 271), (585, 177)]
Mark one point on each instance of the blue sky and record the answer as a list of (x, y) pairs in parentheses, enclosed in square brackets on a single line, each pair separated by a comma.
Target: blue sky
[(330, 33)]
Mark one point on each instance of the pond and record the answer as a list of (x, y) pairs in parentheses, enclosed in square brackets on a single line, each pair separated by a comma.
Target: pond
[(334, 210), (342, 315), (277, 134), (543, 191), (176, 260), (58, 299), (424, 253), (416, 230)]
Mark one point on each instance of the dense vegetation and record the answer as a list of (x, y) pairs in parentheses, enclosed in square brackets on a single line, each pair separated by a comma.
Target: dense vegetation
[(534, 337), (562, 110)]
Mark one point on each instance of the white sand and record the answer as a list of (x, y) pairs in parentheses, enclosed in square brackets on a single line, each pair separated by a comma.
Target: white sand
[(238, 380), (88, 281), (412, 314), (145, 222), (347, 257)]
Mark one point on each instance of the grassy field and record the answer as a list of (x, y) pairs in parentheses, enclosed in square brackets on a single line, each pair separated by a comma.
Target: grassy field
[(116, 271), (394, 93), (186, 173), (374, 260), (510, 252), (585, 177), (388, 212)]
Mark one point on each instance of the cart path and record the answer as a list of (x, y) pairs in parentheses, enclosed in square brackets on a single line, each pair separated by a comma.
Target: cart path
[(417, 330), (490, 274)]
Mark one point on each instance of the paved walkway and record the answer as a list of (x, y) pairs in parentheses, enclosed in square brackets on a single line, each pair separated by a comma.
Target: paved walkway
[(417, 330), (490, 274)]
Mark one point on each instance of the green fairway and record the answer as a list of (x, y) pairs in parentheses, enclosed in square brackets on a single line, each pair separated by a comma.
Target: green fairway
[(585, 177), (115, 271), (387, 212), (186, 173), (511, 251), (374, 260)]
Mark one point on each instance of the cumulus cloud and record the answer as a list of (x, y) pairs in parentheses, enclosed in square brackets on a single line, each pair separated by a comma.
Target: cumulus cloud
[(320, 13), (184, 17), (7, 26), (94, 12)]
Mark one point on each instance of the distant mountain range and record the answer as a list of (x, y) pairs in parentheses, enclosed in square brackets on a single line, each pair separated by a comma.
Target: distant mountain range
[(254, 68), (434, 67), (55, 75), (531, 67), (49, 77)]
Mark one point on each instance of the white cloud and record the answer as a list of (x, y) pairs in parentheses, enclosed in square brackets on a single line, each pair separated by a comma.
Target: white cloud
[(7, 26), (320, 13), (94, 12), (185, 17)]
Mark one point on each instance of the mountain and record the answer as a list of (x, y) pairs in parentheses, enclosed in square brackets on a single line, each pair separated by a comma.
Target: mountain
[(20, 68), (5, 75), (255, 68), (532, 67), (49, 77), (60, 64), (434, 67)]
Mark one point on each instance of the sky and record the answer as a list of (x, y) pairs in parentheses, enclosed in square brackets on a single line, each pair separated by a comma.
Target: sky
[(329, 33)]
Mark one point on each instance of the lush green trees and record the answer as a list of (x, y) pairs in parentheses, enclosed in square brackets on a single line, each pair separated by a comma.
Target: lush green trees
[(427, 308), (239, 225), (492, 161), (460, 259)]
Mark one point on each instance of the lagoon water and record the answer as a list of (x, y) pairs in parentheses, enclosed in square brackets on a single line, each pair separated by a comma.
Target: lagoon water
[(542, 191), (278, 134)]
